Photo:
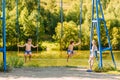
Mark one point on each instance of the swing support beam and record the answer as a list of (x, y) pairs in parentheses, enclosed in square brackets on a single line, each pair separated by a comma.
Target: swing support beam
[(38, 23), (3, 19), (96, 21), (80, 28), (61, 20), (17, 24), (96, 10)]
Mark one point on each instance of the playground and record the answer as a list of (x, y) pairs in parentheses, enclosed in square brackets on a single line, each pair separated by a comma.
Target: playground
[(56, 73), (49, 65), (53, 40)]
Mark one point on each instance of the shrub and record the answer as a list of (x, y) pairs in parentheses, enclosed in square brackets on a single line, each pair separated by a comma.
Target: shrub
[(70, 32), (106, 68), (46, 45), (16, 62), (9, 68)]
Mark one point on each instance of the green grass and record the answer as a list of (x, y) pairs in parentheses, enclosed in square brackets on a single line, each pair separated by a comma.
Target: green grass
[(58, 55), (55, 62), (15, 61), (57, 59)]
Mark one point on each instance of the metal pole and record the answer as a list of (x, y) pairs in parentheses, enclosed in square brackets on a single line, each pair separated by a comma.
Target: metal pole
[(17, 23), (80, 35), (107, 34), (61, 15), (97, 20), (98, 33), (61, 18), (38, 23), (4, 33), (91, 34)]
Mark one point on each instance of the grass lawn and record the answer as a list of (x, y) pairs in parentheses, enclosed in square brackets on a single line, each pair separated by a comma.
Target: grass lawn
[(58, 59)]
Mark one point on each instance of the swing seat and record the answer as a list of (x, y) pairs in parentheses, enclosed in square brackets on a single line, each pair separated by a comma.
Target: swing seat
[(105, 49), (1, 49)]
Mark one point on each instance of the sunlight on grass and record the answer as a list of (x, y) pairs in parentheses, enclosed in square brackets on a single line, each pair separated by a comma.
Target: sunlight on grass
[(58, 55), (57, 59), (55, 62)]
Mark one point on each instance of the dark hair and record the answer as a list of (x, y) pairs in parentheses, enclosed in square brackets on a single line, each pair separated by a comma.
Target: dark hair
[(71, 42)]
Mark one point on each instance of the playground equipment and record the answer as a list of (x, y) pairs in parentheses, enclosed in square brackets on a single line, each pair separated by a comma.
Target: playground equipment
[(80, 34), (61, 20), (3, 19), (96, 21), (37, 23), (17, 23)]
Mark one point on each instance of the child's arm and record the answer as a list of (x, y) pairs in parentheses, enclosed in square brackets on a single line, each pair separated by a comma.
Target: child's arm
[(21, 45), (35, 46), (78, 43)]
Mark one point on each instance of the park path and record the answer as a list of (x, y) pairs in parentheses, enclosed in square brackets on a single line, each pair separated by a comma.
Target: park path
[(55, 73)]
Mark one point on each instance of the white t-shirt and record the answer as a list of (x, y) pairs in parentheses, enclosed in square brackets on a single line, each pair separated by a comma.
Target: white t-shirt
[(94, 48)]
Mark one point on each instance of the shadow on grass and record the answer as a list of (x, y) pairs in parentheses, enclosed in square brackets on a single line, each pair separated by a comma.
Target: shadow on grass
[(67, 66), (56, 72)]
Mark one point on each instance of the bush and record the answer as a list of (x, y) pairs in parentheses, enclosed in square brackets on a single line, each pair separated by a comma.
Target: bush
[(70, 32), (106, 68), (16, 62), (46, 45), (9, 68)]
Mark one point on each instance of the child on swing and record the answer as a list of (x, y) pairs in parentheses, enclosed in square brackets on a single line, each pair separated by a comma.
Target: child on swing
[(70, 51), (28, 51), (92, 55)]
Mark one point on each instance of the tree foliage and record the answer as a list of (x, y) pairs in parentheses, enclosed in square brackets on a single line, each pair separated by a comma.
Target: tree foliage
[(70, 32), (50, 17)]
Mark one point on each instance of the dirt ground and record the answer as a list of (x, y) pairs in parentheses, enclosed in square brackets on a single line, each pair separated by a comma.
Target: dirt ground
[(55, 73)]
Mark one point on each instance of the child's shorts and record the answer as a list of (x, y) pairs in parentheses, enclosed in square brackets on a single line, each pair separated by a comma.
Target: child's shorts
[(93, 54), (28, 52), (69, 52)]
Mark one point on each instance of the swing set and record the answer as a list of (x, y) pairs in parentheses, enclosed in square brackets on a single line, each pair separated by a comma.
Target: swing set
[(37, 24), (96, 21)]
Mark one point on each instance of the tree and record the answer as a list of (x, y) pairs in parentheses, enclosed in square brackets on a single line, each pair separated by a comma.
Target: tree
[(70, 32), (116, 38)]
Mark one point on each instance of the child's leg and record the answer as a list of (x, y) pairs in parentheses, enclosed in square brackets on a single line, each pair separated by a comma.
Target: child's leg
[(30, 55), (25, 57), (68, 57), (91, 62)]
